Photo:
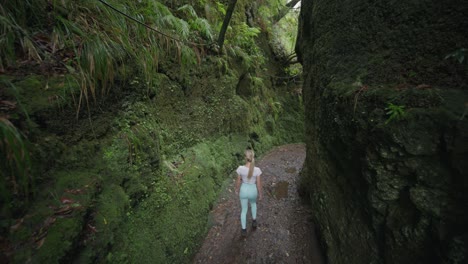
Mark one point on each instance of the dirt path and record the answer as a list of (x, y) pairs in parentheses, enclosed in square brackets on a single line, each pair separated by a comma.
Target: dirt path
[(285, 233)]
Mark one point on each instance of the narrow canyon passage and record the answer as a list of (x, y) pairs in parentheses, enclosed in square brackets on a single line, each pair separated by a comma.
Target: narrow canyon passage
[(285, 233)]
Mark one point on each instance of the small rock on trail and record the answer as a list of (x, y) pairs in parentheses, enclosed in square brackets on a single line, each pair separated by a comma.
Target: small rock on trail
[(285, 232)]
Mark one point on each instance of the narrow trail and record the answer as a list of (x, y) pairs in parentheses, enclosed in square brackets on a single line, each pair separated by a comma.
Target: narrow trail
[(285, 232)]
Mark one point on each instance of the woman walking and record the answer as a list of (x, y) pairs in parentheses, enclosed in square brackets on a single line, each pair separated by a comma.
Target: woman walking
[(251, 187)]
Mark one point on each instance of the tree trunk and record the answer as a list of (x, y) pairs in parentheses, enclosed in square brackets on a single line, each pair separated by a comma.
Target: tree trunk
[(225, 25)]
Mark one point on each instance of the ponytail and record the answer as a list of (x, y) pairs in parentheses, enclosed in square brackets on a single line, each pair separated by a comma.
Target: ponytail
[(249, 156)]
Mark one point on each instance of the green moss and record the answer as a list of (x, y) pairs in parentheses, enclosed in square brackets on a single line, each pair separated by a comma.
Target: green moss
[(59, 240), (109, 212), (174, 217), (155, 161), (37, 92), (111, 207)]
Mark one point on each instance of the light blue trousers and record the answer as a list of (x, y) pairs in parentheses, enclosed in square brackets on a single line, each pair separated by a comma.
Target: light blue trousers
[(248, 193)]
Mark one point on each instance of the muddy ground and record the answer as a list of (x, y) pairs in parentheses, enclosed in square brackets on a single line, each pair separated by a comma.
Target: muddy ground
[(285, 232)]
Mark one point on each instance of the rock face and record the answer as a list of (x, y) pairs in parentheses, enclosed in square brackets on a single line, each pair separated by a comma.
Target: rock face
[(387, 128)]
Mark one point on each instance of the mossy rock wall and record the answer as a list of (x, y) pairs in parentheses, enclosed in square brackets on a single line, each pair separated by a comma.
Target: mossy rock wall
[(386, 190), (130, 139), (142, 167)]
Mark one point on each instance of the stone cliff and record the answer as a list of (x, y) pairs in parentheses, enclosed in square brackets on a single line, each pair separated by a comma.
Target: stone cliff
[(387, 128)]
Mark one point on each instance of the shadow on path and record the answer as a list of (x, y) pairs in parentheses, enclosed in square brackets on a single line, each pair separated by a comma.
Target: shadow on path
[(285, 232)]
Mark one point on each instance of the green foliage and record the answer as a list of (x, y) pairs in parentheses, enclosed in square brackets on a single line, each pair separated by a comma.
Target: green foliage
[(15, 166), (221, 8), (242, 35), (257, 83), (59, 240), (189, 11), (161, 165), (395, 112), (101, 40), (179, 27), (285, 31), (294, 70), (275, 107), (169, 223), (281, 34), (203, 26), (196, 23), (12, 33), (459, 55)]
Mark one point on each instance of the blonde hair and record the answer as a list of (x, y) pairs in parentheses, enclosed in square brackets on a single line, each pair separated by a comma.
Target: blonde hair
[(250, 157)]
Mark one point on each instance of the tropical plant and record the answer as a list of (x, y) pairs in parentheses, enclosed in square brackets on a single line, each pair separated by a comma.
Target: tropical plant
[(395, 112)]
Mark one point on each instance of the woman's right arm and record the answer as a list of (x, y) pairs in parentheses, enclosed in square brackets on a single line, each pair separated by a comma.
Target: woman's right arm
[(238, 182)]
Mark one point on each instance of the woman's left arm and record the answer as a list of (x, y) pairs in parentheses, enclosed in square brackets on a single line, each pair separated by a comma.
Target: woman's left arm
[(238, 182)]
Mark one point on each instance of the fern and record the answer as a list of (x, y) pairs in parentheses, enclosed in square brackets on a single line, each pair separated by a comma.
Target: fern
[(203, 26), (244, 35), (101, 40), (155, 8), (395, 112), (220, 7), (188, 56), (189, 11), (257, 82), (179, 26)]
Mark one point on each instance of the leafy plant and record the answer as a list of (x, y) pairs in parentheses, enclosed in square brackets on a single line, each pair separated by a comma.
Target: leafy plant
[(395, 112), (243, 35), (196, 23), (458, 55), (12, 34), (95, 43), (189, 11), (15, 163), (275, 108), (203, 26)]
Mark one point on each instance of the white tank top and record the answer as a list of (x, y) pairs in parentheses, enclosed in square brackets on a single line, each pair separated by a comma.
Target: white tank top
[(243, 171)]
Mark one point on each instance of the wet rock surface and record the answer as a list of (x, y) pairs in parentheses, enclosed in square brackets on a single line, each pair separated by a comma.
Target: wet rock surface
[(386, 189), (285, 232)]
